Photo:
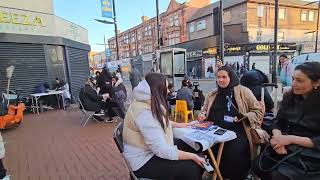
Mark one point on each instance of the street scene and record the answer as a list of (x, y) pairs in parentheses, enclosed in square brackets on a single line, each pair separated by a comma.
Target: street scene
[(159, 90)]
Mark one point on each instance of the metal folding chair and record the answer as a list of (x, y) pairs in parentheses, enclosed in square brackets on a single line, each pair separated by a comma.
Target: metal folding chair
[(117, 137), (88, 114)]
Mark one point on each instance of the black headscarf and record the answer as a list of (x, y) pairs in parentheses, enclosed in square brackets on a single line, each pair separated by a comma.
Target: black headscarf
[(234, 80)]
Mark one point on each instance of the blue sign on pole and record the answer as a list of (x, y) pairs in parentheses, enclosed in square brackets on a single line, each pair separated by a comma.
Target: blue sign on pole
[(108, 52), (106, 8)]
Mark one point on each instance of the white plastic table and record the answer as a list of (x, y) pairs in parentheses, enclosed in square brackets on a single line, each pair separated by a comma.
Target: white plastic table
[(211, 139), (35, 97)]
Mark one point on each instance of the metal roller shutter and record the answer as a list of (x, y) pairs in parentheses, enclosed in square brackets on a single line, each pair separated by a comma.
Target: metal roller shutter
[(78, 69), (30, 66)]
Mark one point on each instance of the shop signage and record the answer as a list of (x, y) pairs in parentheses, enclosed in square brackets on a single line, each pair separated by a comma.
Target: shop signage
[(17, 21), (21, 19), (209, 51), (269, 47), (193, 54), (233, 49)]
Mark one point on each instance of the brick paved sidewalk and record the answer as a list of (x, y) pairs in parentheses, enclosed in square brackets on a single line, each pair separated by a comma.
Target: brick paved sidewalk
[(53, 146)]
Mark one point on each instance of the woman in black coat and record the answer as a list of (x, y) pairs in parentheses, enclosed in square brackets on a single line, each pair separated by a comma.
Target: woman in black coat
[(253, 80), (297, 126)]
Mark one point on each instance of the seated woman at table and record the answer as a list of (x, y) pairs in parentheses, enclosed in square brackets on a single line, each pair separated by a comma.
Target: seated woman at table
[(235, 108), (148, 136), (92, 101), (297, 125), (64, 86)]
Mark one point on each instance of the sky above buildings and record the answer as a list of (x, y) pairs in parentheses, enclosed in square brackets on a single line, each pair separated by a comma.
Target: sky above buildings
[(129, 14)]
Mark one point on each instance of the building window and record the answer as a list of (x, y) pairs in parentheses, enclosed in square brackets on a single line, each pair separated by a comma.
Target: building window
[(139, 49), (147, 30), (260, 10), (177, 39), (201, 25), (133, 38), (176, 20), (307, 15), (134, 53), (191, 27), (227, 17), (139, 36), (281, 36), (126, 39), (170, 21), (311, 16), (282, 13), (259, 36), (304, 15)]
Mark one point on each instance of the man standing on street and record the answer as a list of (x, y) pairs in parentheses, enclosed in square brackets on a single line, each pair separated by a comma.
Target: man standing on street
[(135, 77)]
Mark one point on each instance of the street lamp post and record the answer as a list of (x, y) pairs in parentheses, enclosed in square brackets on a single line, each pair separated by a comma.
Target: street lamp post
[(317, 33), (158, 24), (221, 33), (275, 43), (115, 27)]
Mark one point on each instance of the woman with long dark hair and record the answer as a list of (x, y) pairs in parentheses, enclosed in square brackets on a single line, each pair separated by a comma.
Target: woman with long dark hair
[(148, 137), (234, 107), (297, 126)]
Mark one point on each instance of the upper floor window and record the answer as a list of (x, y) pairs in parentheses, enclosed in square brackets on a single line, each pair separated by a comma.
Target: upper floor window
[(191, 27), (139, 35), (133, 38), (227, 17), (311, 16), (176, 19), (177, 39), (280, 36), (260, 10), (147, 30), (171, 21), (201, 25), (259, 36), (307, 15), (282, 13)]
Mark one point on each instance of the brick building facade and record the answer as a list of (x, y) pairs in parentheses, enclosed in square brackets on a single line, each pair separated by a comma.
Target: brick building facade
[(142, 39)]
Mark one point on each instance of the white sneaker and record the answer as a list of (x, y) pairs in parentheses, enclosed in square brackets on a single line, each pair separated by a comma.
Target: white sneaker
[(109, 120), (7, 177)]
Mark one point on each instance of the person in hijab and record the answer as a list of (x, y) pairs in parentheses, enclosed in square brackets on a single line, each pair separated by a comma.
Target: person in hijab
[(105, 82), (253, 80), (235, 108)]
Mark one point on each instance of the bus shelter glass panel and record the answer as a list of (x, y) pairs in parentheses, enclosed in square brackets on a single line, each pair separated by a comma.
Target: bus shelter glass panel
[(179, 63), (166, 63)]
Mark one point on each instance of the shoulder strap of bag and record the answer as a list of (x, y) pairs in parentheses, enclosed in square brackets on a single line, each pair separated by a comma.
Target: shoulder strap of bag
[(264, 153)]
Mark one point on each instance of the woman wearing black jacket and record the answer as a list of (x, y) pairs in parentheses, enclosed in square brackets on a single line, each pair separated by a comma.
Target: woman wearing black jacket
[(297, 126), (253, 80)]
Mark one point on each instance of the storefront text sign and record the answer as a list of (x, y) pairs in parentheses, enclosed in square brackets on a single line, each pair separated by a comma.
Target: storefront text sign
[(194, 54), (209, 51)]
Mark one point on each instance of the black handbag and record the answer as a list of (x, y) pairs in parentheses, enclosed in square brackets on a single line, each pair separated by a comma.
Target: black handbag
[(305, 159)]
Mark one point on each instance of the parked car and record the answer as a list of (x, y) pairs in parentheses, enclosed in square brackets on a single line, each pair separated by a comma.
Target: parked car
[(311, 57)]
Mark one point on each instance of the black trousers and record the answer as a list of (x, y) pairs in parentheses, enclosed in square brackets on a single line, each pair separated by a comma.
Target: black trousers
[(3, 171), (163, 169), (112, 108)]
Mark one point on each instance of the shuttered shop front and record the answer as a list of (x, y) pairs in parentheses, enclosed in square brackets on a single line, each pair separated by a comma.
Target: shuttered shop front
[(78, 65), (30, 66)]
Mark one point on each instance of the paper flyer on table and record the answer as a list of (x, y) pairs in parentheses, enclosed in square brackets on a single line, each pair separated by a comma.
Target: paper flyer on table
[(201, 138)]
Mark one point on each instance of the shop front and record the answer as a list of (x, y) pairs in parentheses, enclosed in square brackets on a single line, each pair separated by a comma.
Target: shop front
[(195, 68), (209, 58), (41, 47)]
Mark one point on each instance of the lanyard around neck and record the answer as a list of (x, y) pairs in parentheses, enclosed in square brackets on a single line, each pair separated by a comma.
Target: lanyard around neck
[(229, 103)]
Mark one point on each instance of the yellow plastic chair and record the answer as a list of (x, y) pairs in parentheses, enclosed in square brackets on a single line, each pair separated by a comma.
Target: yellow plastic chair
[(181, 107)]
